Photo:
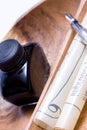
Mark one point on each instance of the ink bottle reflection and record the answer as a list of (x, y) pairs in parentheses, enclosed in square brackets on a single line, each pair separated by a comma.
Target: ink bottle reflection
[(15, 67)]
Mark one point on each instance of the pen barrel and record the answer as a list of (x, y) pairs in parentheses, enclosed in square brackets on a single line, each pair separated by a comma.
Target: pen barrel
[(75, 100), (82, 32), (78, 28)]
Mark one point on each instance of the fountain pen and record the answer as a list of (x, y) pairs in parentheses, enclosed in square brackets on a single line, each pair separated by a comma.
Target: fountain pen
[(82, 32)]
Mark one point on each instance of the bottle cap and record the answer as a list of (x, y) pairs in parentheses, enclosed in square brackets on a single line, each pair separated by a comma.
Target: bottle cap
[(11, 55)]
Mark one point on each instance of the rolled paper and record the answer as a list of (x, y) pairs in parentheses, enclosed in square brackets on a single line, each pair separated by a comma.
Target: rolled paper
[(53, 102), (75, 101), (52, 105)]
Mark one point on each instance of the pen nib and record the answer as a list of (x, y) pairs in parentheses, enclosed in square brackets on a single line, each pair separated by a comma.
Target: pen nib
[(69, 17), (82, 32)]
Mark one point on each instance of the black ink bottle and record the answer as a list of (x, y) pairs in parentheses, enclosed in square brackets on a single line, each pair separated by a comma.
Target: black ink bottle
[(15, 60)]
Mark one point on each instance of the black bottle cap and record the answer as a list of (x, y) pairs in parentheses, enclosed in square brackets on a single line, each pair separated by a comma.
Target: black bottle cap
[(11, 55)]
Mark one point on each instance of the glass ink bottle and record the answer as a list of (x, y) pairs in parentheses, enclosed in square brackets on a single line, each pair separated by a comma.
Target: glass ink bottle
[(15, 60)]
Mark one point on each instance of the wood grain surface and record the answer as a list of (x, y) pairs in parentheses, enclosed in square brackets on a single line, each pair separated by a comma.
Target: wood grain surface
[(47, 26)]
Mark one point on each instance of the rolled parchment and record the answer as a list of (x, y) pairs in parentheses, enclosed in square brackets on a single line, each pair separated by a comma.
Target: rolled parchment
[(53, 102), (75, 101)]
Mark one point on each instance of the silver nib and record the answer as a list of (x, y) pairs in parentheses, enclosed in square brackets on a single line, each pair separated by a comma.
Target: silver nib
[(69, 17), (77, 27)]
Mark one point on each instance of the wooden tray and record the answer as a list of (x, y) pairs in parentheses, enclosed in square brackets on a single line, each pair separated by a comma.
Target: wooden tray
[(46, 25)]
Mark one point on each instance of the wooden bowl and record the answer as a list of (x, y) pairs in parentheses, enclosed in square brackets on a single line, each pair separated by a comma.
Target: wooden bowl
[(47, 26)]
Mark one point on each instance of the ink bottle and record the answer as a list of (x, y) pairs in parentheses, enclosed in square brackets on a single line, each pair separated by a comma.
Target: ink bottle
[(16, 86)]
